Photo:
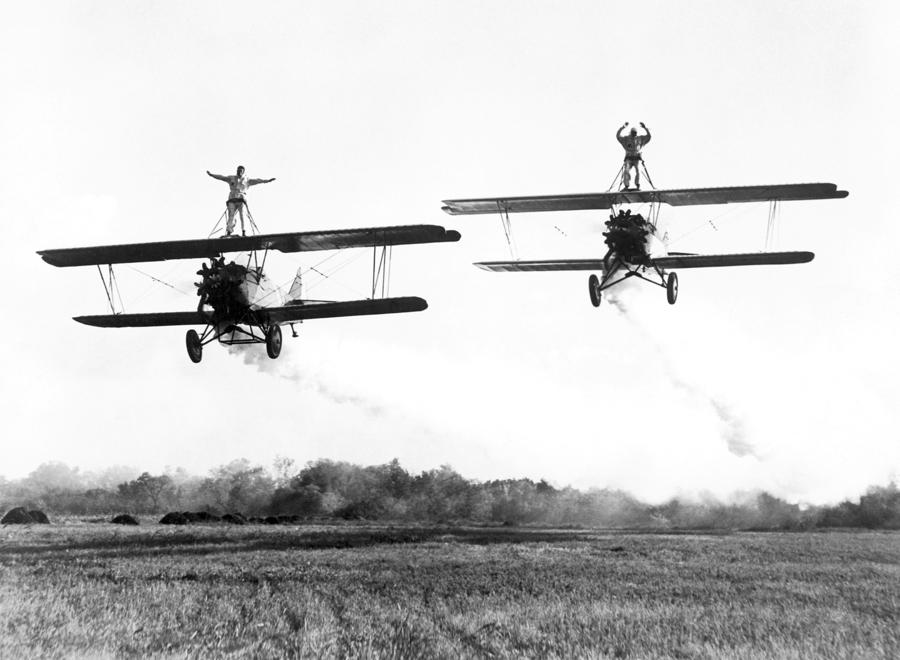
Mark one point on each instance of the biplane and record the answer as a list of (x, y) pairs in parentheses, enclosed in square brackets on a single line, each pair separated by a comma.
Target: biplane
[(635, 247), (238, 304)]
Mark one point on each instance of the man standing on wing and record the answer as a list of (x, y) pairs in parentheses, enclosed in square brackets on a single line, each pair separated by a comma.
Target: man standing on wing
[(237, 199), (632, 143)]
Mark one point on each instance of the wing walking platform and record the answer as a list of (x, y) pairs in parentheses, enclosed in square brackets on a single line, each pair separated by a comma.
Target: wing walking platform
[(338, 239), (678, 197)]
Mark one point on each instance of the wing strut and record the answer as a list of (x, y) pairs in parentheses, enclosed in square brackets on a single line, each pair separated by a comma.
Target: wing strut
[(112, 290), (770, 225), (381, 269), (507, 230)]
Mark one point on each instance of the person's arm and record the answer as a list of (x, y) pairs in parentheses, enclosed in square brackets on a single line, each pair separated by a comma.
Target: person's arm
[(253, 182), (218, 176), (647, 131), (619, 132)]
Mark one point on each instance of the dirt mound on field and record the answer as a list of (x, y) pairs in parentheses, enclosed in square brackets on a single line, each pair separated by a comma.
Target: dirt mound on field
[(125, 519), (200, 517), (39, 516), (17, 516), (173, 518)]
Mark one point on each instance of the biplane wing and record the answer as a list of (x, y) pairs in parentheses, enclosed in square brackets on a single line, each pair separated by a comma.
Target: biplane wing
[(749, 259), (275, 315), (307, 311), (543, 265), (678, 197), (337, 239), (152, 320)]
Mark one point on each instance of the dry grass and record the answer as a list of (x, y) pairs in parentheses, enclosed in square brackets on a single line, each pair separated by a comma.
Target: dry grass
[(103, 590)]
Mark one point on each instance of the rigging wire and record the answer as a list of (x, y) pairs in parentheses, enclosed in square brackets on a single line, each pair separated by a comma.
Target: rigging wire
[(744, 208), (160, 281), (114, 283)]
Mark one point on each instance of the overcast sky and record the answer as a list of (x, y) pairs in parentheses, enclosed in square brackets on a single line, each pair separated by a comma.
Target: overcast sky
[(780, 378)]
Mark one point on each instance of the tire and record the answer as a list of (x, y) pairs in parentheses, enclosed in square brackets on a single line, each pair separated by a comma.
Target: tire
[(194, 347), (273, 341), (672, 288), (594, 290)]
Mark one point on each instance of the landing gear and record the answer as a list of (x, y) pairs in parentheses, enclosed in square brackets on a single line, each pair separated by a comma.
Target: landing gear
[(672, 288), (594, 290), (194, 347), (273, 341)]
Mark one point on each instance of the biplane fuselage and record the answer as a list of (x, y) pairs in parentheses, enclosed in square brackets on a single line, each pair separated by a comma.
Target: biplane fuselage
[(258, 291)]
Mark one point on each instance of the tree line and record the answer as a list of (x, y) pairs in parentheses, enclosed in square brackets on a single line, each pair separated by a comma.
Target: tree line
[(326, 489)]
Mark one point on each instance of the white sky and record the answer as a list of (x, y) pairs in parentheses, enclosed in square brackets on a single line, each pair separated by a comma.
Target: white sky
[(780, 378)]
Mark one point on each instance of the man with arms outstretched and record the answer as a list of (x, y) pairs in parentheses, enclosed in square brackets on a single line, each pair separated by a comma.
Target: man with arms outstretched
[(237, 198), (632, 143)]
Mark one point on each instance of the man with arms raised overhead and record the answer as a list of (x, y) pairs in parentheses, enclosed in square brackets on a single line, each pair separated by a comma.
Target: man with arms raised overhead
[(632, 143), (237, 198)]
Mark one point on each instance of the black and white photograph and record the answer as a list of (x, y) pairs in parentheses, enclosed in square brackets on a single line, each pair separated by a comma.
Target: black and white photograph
[(431, 329)]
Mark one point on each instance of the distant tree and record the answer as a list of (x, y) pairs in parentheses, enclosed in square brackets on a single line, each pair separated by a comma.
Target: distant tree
[(284, 469), (880, 507), (54, 476), (445, 495), (303, 501), (238, 486), (148, 493), (775, 513)]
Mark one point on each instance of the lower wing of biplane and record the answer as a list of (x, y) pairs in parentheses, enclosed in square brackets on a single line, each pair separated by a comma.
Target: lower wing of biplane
[(238, 314), (673, 260), (628, 235), (614, 270)]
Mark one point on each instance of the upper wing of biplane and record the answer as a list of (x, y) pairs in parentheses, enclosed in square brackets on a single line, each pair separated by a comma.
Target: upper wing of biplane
[(337, 239), (680, 197), (749, 259), (277, 315)]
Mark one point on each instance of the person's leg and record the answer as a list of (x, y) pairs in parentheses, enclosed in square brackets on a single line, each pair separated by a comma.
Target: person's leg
[(229, 224), (637, 174), (241, 211), (626, 174)]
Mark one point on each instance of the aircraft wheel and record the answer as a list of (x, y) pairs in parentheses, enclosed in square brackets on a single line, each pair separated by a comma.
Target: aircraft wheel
[(273, 341), (672, 288), (194, 347), (594, 290)]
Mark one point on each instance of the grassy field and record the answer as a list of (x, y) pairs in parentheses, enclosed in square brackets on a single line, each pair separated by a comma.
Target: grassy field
[(78, 589)]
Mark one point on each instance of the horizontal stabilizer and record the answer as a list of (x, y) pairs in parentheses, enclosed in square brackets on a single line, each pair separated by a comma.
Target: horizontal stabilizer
[(327, 310), (206, 248), (530, 266), (677, 197), (750, 259)]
